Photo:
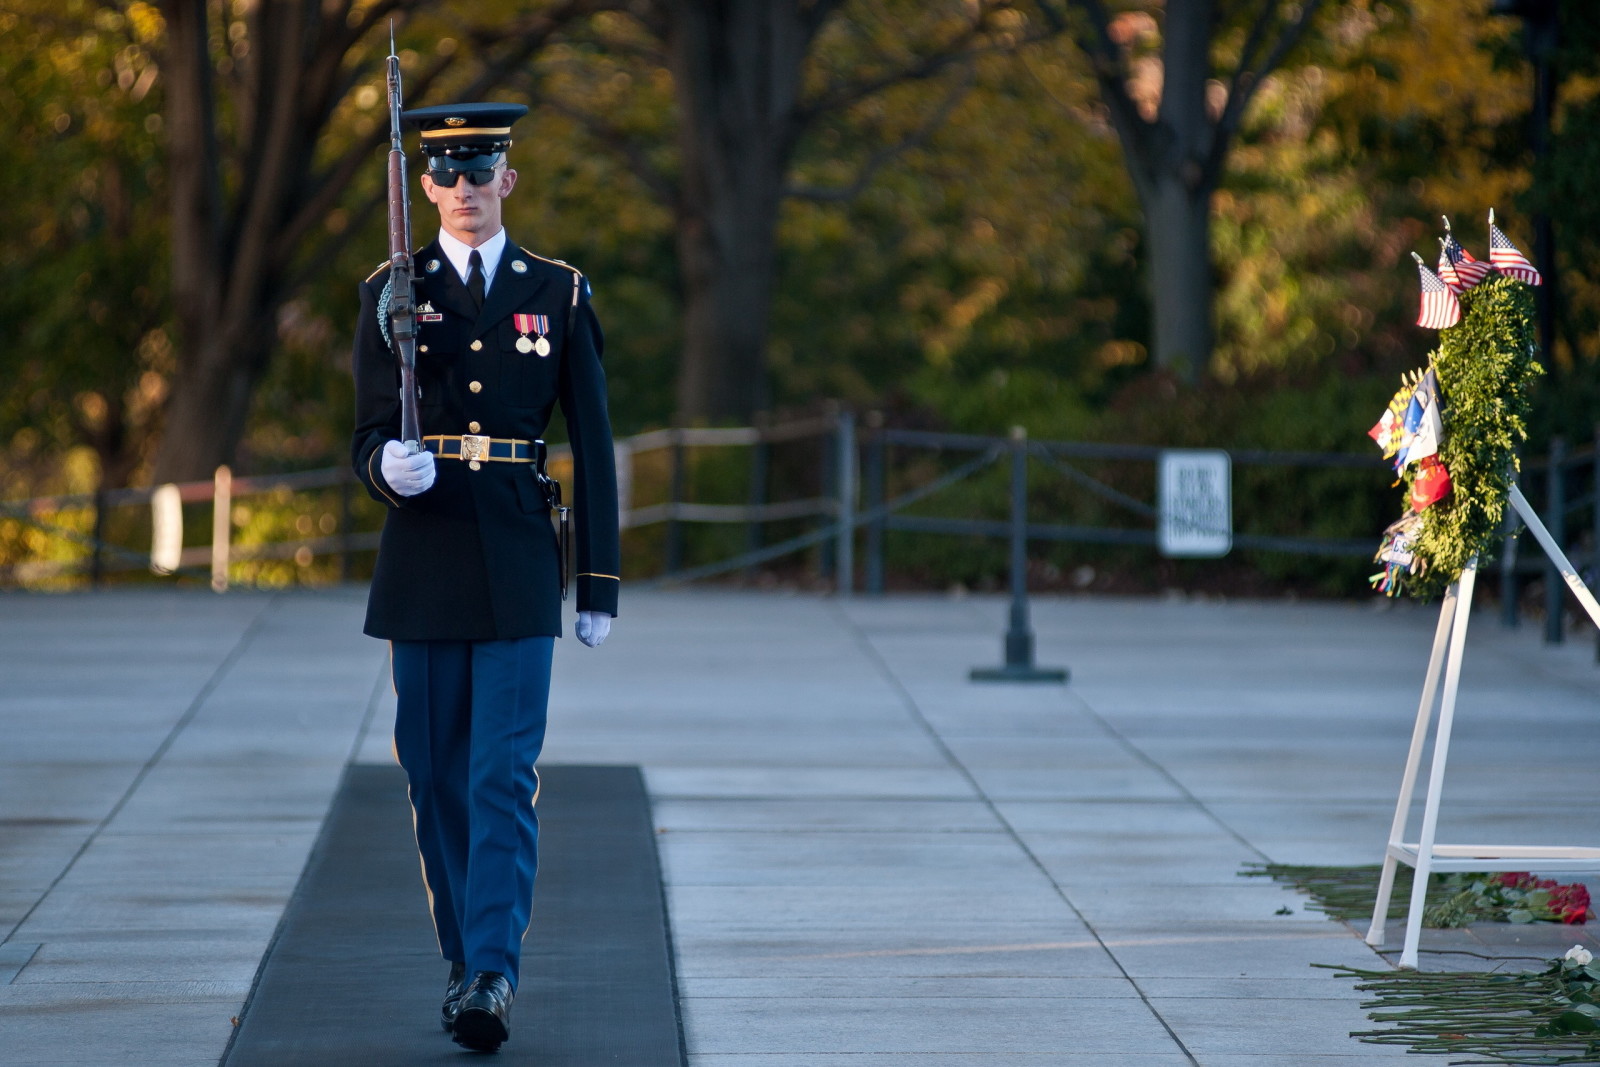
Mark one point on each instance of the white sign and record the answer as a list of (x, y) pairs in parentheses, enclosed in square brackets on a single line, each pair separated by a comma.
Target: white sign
[(1195, 499)]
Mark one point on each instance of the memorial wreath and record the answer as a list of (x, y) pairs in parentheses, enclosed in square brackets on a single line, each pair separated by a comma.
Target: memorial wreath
[(1454, 429)]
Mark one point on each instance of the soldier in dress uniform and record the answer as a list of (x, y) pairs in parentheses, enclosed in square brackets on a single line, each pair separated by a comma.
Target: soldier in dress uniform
[(471, 571)]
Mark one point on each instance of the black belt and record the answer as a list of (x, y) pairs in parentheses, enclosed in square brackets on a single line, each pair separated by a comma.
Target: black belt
[(476, 448)]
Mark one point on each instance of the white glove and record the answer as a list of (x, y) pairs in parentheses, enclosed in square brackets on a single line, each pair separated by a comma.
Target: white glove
[(406, 472), (592, 627)]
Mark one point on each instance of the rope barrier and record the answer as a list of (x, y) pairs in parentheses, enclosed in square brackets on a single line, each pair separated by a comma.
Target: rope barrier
[(823, 533)]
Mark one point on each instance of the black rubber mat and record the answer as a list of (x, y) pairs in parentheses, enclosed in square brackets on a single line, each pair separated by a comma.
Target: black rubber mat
[(354, 976)]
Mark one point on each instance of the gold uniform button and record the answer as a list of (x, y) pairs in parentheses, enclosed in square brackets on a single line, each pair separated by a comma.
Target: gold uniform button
[(474, 427), (475, 465), (476, 387), (422, 348), (476, 346)]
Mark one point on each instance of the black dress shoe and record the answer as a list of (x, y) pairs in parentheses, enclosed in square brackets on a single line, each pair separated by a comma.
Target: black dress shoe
[(484, 1020), (453, 989)]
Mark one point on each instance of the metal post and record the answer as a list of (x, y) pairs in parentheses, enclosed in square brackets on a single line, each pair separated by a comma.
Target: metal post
[(221, 526), (1594, 540), (97, 559), (827, 555), (875, 496), (760, 469), (845, 553), (674, 561), (1019, 666), (1556, 509)]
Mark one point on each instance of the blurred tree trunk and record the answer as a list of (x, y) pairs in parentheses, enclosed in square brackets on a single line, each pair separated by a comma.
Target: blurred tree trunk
[(739, 71), (1178, 273), (1176, 150)]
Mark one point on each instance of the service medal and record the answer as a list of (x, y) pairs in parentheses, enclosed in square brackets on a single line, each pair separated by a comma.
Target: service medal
[(539, 324)]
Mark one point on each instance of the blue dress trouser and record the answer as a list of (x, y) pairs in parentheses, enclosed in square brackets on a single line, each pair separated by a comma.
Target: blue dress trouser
[(469, 723)]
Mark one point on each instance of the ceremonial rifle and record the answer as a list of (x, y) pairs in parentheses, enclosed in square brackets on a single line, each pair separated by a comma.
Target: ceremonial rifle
[(402, 309)]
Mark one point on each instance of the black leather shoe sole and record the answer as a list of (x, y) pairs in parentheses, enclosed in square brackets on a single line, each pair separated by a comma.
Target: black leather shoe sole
[(480, 1030)]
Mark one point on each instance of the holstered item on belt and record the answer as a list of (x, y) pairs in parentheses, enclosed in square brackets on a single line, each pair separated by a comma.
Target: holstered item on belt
[(552, 496)]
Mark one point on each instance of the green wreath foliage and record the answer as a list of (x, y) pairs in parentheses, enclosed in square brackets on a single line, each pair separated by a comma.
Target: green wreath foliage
[(1486, 370)]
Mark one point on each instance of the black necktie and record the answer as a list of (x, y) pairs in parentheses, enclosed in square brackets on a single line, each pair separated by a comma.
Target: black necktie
[(475, 277)]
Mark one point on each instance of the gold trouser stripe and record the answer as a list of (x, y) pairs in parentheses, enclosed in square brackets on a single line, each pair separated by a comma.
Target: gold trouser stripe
[(422, 863), (591, 574)]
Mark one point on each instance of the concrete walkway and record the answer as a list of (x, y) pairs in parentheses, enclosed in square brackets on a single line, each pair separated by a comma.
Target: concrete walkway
[(869, 859)]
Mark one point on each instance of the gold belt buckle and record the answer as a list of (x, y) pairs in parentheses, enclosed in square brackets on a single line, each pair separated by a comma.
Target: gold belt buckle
[(474, 447)]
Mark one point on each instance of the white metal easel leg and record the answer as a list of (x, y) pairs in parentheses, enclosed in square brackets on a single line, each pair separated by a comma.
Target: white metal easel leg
[(1408, 781), (1441, 755), (1568, 572)]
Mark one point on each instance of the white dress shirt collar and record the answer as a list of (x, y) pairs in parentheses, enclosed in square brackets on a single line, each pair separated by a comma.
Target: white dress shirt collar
[(458, 252)]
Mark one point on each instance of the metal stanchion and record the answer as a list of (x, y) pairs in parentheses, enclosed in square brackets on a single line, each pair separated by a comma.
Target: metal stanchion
[(876, 477), (828, 443), (845, 553), (1019, 665)]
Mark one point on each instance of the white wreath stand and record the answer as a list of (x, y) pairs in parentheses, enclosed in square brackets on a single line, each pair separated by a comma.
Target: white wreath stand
[(1426, 856)]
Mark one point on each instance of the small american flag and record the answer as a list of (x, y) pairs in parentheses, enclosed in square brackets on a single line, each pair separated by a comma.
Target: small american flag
[(1459, 270), (1506, 259), (1440, 308)]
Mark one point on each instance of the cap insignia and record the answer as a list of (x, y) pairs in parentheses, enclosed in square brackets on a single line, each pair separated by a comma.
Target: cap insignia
[(454, 121)]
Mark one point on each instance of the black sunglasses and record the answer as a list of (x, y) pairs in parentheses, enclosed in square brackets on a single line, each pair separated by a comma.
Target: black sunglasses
[(447, 178)]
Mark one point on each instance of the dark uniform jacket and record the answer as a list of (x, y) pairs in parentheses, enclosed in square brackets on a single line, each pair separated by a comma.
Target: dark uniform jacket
[(476, 556)]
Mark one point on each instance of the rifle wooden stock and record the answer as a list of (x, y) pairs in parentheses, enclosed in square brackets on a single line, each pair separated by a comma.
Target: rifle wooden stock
[(402, 300)]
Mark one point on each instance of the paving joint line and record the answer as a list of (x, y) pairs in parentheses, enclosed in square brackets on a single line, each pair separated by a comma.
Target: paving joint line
[(915, 710), (188, 716), (1171, 779)]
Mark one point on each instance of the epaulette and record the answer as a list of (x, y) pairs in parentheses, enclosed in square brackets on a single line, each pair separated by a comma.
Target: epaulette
[(557, 262), (579, 282)]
